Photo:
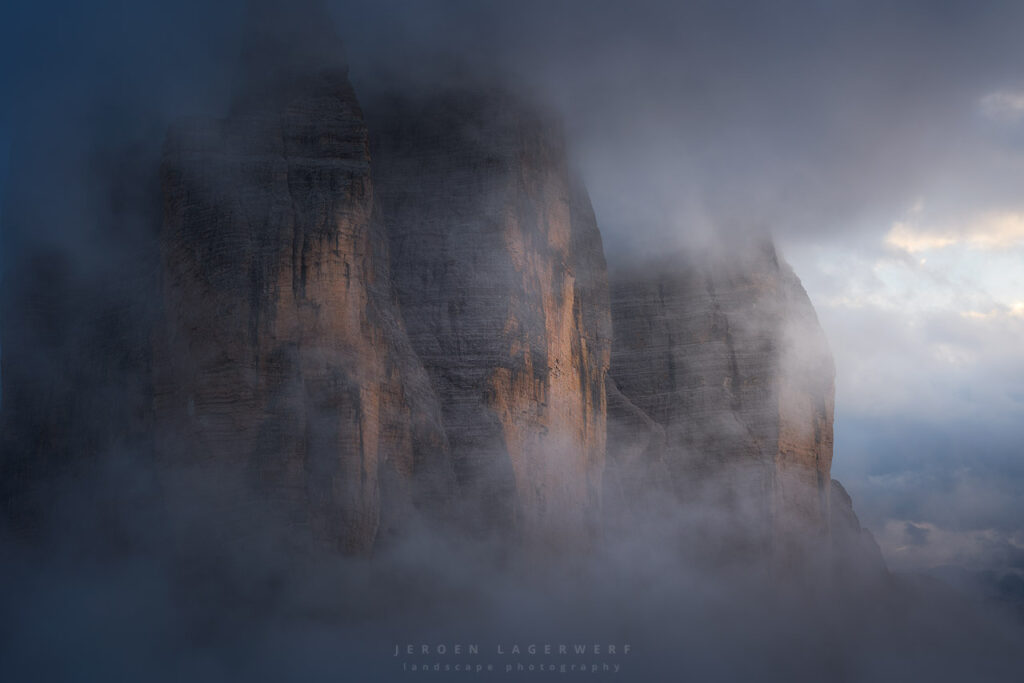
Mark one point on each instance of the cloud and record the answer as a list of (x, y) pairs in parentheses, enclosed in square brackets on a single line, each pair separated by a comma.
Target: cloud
[(936, 363), (924, 318), (987, 230), (924, 546), (809, 119), (1004, 106), (917, 534), (1014, 310)]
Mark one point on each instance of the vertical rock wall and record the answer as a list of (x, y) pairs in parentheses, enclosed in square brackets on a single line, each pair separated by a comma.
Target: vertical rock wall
[(726, 356), (282, 353), (362, 343), (500, 273)]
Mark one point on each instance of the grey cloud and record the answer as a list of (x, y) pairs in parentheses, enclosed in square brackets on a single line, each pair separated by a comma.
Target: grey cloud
[(801, 117), (916, 534)]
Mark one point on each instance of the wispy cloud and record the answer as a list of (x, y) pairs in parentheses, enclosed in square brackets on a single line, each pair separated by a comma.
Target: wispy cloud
[(1014, 310), (988, 230), (1003, 105), (917, 545)]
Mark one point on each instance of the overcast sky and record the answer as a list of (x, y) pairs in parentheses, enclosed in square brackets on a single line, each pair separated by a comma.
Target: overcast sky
[(881, 143)]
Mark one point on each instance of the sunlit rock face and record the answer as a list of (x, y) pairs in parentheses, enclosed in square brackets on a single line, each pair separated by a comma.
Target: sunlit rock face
[(724, 354), (499, 269), (282, 353)]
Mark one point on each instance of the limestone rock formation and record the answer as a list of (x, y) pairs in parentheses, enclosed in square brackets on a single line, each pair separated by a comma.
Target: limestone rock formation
[(282, 354), (636, 480), (500, 272), (726, 356), (367, 343)]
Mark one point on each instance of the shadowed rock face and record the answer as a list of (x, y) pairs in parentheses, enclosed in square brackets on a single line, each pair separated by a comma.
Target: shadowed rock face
[(500, 272), (636, 481), (362, 343), (727, 358), (856, 554), (282, 354)]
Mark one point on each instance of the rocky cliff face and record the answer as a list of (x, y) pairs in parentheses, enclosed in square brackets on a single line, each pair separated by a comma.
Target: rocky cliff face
[(282, 354), (856, 555), (364, 343), (500, 273), (340, 329), (726, 359)]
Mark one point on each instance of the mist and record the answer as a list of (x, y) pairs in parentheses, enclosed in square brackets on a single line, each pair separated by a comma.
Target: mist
[(698, 129)]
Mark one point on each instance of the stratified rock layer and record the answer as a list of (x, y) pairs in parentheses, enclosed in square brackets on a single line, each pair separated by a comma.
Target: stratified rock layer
[(282, 354), (500, 272), (726, 356)]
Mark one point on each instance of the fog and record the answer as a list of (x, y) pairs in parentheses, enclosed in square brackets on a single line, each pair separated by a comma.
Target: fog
[(693, 124), (178, 589)]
